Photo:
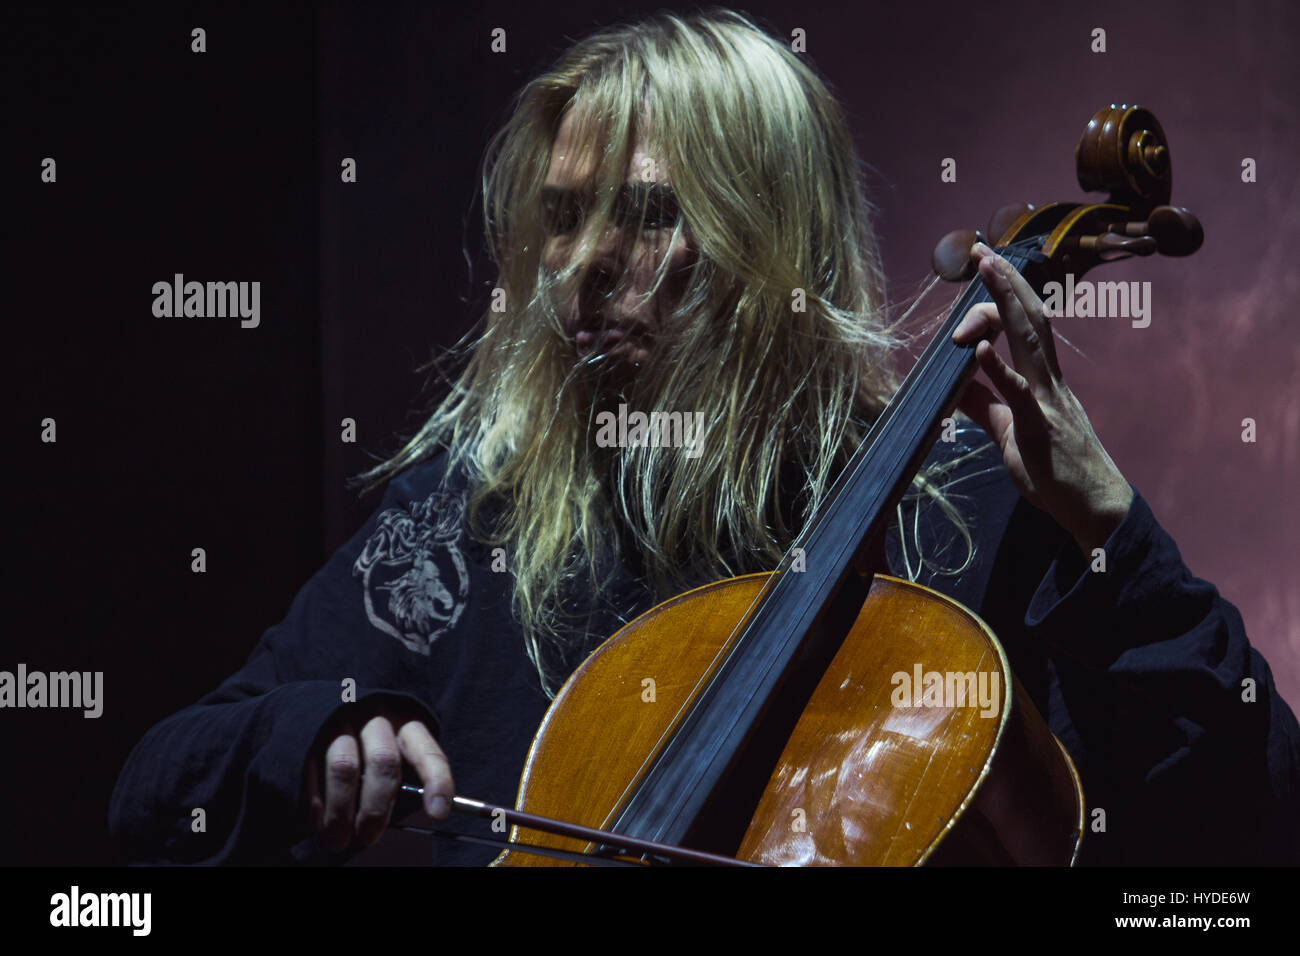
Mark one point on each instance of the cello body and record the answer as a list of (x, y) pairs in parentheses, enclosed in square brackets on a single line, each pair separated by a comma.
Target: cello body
[(875, 772)]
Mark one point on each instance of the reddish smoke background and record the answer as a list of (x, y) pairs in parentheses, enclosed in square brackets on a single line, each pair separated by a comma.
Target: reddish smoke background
[(1007, 92)]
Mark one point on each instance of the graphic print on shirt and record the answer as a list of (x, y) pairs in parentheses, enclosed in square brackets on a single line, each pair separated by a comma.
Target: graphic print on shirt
[(412, 571)]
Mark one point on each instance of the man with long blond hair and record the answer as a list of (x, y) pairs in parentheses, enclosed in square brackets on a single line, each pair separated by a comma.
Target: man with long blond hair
[(652, 205)]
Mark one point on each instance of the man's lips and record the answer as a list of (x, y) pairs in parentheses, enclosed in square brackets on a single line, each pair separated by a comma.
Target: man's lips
[(610, 340)]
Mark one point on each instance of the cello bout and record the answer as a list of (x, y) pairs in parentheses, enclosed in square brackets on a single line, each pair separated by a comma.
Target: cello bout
[(919, 745)]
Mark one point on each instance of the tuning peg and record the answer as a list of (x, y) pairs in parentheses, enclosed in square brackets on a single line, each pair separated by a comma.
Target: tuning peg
[(951, 258), (1176, 231), (1005, 218), (1109, 243)]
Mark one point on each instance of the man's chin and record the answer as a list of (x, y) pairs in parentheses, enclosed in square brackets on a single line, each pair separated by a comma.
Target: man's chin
[(625, 379)]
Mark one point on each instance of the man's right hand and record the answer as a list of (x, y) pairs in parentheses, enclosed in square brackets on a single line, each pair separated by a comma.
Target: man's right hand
[(361, 771)]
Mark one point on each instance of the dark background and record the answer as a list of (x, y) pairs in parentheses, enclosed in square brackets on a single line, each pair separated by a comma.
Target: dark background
[(183, 433)]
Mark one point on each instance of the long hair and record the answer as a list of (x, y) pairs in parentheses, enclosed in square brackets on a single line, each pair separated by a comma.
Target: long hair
[(779, 337)]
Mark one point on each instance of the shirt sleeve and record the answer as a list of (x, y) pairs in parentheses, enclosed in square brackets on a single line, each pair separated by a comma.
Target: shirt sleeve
[(1182, 740), (238, 754)]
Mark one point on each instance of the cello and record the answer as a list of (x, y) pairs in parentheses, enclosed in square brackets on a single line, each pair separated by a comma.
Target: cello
[(752, 721)]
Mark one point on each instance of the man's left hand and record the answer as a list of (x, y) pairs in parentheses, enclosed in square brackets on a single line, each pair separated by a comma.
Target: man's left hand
[(1048, 445)]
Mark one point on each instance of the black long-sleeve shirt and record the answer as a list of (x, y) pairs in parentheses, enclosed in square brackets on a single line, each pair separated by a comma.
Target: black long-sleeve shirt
[(1142, 671)]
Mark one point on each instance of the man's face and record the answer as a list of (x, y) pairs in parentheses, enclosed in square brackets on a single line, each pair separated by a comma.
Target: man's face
[(602, 316)]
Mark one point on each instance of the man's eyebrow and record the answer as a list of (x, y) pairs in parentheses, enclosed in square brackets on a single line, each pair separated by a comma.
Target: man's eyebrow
[(640, 194), (559, 192), (636, 191)]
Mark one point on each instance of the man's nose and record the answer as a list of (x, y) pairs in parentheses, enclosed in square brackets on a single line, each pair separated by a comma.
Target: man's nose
[(609, 250), (610, 255)]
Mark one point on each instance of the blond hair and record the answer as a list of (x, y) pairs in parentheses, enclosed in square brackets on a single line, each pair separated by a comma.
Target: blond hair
[(771, 196)]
